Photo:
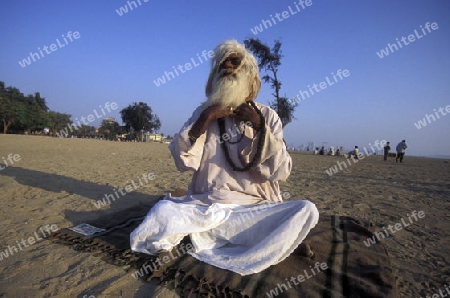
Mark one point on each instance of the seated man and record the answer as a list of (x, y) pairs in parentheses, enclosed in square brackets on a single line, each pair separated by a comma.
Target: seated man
[(331, 151), (322, 151), (233, 211), (354, 153)]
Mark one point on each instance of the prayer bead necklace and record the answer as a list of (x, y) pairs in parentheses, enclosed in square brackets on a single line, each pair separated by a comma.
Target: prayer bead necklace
[(257, 156)]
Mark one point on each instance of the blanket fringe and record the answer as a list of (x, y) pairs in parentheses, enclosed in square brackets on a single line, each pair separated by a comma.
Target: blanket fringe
[(187, 285)]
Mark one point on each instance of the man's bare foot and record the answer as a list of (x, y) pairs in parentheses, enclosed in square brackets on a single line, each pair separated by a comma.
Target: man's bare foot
[(305, 250)]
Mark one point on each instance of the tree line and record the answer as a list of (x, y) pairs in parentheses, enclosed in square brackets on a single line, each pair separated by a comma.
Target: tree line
[(21, 113)]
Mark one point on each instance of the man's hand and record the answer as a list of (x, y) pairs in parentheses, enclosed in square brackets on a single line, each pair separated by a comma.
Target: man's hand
[(211, 113), (246, 112), (216, 111)]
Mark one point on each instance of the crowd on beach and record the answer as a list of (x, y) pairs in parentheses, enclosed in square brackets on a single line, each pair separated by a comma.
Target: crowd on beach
[(400, 150)]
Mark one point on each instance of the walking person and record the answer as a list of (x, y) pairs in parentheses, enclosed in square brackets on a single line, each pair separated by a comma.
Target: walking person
[(387, 148), (401, 148)]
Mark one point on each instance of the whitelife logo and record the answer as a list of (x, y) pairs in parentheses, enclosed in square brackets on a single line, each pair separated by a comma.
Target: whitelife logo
[(422, 123), (411, 38), (9, 161), (161, 261), (398, 226), (63, 133), (296, 280), (109, 198), (281, 16), (53, 47), (322, 85), (124, 9), (12, 249), (187, 66)]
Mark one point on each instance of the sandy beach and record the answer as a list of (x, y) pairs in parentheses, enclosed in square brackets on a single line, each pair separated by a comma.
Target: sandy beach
[(54, 183)]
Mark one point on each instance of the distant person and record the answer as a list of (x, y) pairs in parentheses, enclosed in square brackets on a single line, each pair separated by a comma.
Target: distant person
[(316, 151), (401, 148), (331, 151), (354, 152), (387, 148), (322, 151)]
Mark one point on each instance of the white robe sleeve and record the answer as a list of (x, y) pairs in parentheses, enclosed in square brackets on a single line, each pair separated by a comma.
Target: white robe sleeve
[(186, 155)]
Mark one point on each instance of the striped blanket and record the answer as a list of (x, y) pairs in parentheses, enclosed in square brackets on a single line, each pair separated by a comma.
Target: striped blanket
[(342, 265)]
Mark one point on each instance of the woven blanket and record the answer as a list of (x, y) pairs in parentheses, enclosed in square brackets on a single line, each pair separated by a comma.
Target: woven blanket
[(342, 264)]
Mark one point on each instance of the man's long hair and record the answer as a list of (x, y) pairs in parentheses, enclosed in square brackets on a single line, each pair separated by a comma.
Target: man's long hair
[(240, 86)]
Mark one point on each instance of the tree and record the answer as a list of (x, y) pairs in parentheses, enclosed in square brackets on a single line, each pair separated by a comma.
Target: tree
[(109, 128), (285, 109), (40, 102), (139, 116), (58, 122), (37, 115), (21, 113), (11, 107), (269, 60), (34, 113)]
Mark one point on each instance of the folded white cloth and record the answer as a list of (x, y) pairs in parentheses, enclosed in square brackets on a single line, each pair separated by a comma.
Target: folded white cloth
[(243, 239)]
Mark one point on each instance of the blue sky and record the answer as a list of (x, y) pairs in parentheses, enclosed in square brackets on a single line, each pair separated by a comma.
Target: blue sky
[(118, 58)]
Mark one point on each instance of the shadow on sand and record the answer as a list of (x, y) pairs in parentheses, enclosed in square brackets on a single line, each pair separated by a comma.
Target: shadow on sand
[(58, 183)]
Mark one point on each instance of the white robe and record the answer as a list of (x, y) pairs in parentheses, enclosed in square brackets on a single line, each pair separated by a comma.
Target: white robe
[(235, 220)]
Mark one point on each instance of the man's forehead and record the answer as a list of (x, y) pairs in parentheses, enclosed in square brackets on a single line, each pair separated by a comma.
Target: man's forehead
[(233, 55)]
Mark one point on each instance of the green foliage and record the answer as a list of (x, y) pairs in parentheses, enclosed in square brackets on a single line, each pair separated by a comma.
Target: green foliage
[(138, 116), (85, 131), (11, 111), (284, 107), (57, 121), (109, 129), (19, 113), (269, 60)]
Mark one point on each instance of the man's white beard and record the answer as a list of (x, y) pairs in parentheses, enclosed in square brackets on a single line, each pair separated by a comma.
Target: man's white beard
[(230, 90)]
